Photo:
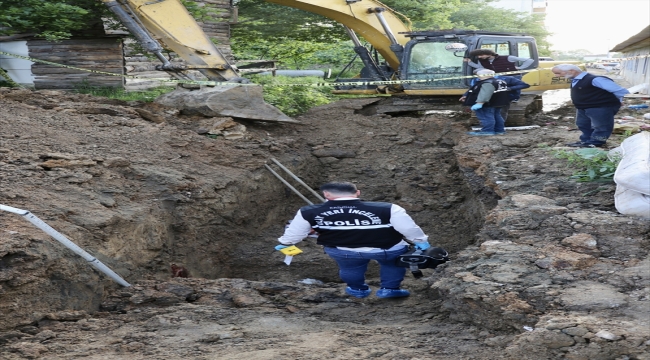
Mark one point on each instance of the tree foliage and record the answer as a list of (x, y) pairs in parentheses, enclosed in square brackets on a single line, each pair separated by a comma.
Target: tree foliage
[(259, 20), (50, 19), (427, 14), (299, 38), (571, 55), (270, 31), (262, 20), (479, 15)]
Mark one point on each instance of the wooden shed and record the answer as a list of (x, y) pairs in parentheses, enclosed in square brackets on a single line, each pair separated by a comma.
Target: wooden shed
[(103, 51), (97, 54)]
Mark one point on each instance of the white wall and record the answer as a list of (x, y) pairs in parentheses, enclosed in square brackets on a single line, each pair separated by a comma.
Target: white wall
[(19, 70)]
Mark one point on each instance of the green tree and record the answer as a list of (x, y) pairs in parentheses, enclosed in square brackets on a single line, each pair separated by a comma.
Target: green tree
[(573, 55), (262, 20), (259, 20), (479, 15), (271, 31), (426, 14), (50, 19), (264, 26)]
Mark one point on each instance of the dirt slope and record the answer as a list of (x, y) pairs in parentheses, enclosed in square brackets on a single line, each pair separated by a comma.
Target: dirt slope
[(141, 187)]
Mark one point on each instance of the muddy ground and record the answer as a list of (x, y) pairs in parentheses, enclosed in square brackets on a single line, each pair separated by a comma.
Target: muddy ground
[(542, 267)]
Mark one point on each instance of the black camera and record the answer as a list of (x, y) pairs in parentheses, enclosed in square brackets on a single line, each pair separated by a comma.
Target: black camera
[(416, 259)]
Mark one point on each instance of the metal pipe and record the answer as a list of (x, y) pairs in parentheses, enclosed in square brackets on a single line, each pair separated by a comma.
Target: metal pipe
[(136, 28), (389, 33), (288, 185), (371, 65), (298, 180), (353, 36), (65, 241)]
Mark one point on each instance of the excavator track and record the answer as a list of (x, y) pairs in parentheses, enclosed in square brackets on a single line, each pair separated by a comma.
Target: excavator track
[(519, 114)]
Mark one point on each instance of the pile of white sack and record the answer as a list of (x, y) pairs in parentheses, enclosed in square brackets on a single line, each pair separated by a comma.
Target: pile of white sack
[(632, 176)]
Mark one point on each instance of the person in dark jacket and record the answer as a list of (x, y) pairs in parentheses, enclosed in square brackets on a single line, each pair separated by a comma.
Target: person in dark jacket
[(488, 59), (486, 98), (353, 232), (514, 87), (597, 99)]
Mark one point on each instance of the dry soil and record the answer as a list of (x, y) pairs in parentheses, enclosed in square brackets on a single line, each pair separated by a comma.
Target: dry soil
[(543, 267)]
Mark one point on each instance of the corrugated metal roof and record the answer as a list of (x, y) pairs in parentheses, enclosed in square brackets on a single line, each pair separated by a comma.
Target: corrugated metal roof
[(644, 34)]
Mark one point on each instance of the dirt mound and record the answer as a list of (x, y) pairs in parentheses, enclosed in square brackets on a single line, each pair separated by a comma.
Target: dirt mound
[(542, 267)]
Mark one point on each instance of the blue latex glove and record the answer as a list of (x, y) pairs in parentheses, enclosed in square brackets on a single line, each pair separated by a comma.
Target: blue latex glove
[(476, 106), (280, 247), (422, 245)]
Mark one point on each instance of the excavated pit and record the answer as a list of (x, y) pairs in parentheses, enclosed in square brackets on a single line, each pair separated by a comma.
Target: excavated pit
[(442, 201), (231, 232)]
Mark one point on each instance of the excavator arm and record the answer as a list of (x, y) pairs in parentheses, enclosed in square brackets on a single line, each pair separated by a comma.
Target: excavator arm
[(168, 23), (159, 24), (381, 26)]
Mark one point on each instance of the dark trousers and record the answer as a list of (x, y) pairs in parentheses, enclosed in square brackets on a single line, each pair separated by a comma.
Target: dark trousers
[(596, 124), (504, 112)]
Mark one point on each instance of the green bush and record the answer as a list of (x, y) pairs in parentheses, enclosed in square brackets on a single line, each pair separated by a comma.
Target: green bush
[(294, 95), (591, 164)]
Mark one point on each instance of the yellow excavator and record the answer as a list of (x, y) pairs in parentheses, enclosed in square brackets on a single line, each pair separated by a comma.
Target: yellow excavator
[(428, 65)]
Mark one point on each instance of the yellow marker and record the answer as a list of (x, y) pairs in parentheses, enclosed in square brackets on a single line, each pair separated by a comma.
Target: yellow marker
[(291, 250)]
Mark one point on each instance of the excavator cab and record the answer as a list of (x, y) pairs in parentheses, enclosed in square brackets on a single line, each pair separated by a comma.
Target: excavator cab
[(435, 73), (435, 56)]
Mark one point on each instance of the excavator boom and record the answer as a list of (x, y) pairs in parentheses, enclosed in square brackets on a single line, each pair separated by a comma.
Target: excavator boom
[(167, 24), (361, 16)]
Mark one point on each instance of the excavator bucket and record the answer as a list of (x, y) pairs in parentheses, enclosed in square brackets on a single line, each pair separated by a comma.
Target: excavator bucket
[(245, 102)]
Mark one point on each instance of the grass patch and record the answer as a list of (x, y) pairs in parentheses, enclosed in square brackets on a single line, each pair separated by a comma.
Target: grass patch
[(292, 95), (121, 94), (591, 164)]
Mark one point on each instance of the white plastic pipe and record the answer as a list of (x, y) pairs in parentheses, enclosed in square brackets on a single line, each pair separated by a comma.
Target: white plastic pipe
[(69, 244), (515, 128)]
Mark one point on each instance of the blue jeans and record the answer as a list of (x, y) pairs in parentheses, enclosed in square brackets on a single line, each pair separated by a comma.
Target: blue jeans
[(491, 119), (596, 124), (353, 266)]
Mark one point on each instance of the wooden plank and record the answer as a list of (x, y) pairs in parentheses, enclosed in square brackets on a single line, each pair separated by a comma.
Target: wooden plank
[(60, 55), (60, 71), (53, 71), (94, 45), (89, 61), (76, 41), (82, 65), (78, 48), (77, 77)]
